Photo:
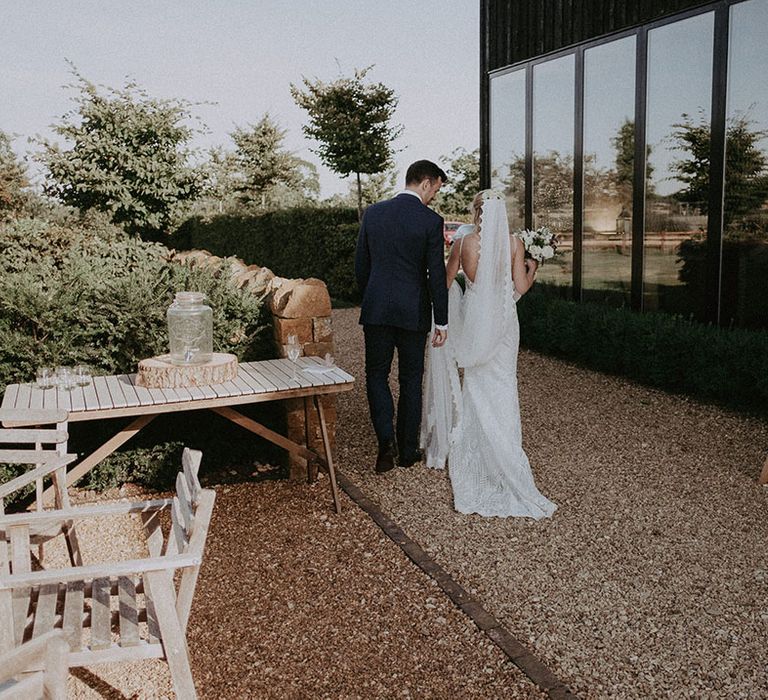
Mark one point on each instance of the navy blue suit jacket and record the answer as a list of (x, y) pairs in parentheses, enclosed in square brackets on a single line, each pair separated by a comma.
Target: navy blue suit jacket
[(400, 266)]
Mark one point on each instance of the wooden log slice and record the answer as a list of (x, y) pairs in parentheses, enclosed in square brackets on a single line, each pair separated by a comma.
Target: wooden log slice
[(160, 373)]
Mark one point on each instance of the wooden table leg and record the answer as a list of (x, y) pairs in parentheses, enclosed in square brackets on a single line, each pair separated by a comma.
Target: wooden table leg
[(764, 474), (328, 455), (264, 432), (84, 466), (311, 463)]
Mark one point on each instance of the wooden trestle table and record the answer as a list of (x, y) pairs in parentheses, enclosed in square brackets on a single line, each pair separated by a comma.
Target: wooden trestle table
[(119, 396)]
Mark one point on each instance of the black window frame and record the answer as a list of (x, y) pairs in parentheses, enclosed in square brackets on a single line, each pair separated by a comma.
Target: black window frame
[(714, 234)]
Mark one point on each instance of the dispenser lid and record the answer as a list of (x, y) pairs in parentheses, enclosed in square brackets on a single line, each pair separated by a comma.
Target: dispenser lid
[(190, 297)]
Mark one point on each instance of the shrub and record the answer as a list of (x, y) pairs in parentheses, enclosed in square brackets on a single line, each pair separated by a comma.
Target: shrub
[(73, 297), (93, 295), (657, 349), (302, 242)]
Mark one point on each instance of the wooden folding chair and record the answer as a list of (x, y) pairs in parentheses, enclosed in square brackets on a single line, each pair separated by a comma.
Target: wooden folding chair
[(44, 449), (37, 669), (152, 606)]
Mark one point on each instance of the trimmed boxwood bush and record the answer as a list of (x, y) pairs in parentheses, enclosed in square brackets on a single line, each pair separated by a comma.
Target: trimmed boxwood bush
[(301, 242), (657, 349), (93, 295)]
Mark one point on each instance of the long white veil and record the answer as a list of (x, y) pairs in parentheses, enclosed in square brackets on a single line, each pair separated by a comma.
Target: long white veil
[(477, 321)]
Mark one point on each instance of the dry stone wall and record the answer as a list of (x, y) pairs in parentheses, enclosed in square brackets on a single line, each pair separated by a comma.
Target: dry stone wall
[(300, 307)]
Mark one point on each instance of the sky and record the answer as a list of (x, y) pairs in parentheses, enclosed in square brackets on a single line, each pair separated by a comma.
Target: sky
[(240, 57)]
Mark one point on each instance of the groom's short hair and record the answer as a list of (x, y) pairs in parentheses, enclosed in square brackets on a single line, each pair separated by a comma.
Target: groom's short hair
[(423, 170)]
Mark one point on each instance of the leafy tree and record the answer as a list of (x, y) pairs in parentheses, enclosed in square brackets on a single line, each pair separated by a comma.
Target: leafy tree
[(746, 166), (375, 188), (264, 168), (624, 146), (127, 154), (13, 180), (352, 122), (463, 171)]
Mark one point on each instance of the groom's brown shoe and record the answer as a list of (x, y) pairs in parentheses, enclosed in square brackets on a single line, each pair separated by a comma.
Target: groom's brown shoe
[(385, 459)]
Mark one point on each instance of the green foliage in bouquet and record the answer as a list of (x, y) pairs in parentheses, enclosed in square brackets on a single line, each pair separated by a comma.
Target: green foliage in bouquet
[(729, 367)]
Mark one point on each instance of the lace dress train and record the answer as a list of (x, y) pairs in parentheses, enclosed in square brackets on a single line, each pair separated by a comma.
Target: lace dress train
[(475, 426), (489, 470)]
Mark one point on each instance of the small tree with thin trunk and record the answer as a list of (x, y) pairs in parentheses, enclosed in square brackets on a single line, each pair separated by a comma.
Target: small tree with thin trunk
[(265, 170), (352, 121), (13, 180), (463, 169)]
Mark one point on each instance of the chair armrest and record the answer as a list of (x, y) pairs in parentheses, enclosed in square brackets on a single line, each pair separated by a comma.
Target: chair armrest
[(19, 417), (31, 476), (48, 517), (110, 570)]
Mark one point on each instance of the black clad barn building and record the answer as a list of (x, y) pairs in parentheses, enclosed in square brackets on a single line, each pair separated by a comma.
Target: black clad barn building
[(638, 132)]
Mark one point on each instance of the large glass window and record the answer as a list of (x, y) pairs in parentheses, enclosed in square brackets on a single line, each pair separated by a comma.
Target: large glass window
[(508, 142), (609, 147), (677, 170), (553, 125), (745, 213)]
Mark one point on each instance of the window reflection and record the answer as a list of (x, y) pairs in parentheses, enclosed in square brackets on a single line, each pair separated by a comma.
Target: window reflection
[(745, 212), (609, 143), (553, 124), (677, 169), (508, 142)]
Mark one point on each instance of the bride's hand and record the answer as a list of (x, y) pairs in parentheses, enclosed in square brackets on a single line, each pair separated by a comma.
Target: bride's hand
[(531, 266)]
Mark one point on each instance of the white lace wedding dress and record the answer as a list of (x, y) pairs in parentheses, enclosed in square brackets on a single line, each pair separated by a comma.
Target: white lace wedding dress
[(475, 424)]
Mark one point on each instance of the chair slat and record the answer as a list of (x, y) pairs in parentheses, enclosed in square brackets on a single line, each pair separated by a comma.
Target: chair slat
[(28, 477), (21, 562), (185, 503), (177, 541), (28, 456), (101, 636), (24, 689), (26, 436), (45, 609), (190, 460), (7, 636), (153, 628), (129, 612), (72, 621)]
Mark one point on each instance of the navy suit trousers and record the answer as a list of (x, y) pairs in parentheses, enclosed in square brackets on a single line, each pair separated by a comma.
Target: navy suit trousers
[(380, 345)]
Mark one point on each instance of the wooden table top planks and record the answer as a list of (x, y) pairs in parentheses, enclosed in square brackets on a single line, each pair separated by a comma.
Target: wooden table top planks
[(119, 395)]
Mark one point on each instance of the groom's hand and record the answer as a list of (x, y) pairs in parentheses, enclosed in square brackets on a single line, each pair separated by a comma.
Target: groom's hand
[(439, 338)]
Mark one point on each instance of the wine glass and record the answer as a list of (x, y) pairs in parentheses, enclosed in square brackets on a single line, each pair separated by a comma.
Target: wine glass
[(293, 350), (82, 375), (65, 378), (46, 378)]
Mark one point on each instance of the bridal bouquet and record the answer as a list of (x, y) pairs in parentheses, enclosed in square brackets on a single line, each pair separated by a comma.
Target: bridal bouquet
[(540, 245)]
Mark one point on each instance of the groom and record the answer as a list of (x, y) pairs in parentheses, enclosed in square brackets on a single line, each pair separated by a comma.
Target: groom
[(400, 270)]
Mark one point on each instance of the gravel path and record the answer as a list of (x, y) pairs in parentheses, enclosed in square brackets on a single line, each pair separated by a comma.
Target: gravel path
[(651, 580), (296, 602)]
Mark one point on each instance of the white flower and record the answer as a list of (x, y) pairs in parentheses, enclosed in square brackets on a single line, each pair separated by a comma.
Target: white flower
[(547, 252), (536, 251)]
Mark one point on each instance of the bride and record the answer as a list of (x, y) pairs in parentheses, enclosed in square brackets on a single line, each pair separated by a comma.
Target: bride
[(475, 424)]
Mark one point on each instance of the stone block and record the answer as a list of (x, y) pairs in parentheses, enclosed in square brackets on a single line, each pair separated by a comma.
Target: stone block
[(322, 330), (301, 299), (300, 327), (318, 349)]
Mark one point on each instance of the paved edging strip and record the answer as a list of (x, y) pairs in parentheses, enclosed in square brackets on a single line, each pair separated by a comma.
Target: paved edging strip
[(538, 672)]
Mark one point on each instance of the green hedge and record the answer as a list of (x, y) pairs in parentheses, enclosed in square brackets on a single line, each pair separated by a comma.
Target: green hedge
[(660, 350), (300, 242)]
